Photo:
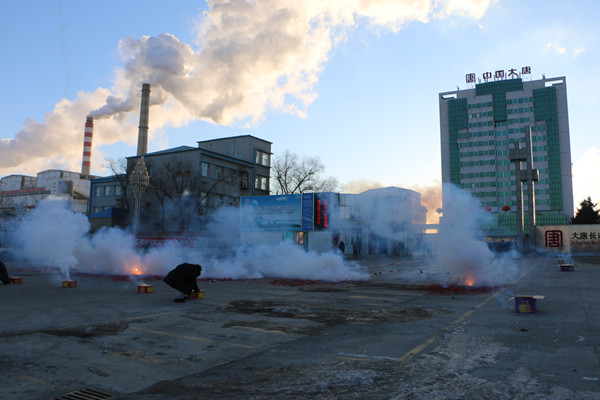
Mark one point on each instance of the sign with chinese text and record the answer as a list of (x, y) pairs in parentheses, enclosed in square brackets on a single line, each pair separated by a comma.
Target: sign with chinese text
[(570, 238), (498, 75)]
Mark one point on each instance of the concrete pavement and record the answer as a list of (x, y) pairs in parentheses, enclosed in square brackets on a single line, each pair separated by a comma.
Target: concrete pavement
[(394, 336)]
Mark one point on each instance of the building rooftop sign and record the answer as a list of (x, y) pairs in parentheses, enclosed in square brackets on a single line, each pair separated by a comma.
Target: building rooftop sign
[(499, 75)]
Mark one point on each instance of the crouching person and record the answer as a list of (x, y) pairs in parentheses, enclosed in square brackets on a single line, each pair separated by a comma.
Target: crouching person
[(183, 278)]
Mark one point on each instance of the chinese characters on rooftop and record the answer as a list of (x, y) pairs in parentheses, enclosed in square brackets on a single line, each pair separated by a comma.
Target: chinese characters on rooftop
[(499, 75)]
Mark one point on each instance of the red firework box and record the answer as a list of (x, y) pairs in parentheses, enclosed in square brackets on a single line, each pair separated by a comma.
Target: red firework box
[(16, 280), (69, 284), (526, 303), (198, 295), (567, 267), (145, 288)]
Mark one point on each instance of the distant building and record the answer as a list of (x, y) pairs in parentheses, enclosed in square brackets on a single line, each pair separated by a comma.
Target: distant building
[(186, 184), (18, 193), (478, 127)]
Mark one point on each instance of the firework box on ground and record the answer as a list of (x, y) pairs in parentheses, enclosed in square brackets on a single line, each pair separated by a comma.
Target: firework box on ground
[(145, 288), (16, 280), (526, 303), (567, 267), (198, 295), (69, 284)]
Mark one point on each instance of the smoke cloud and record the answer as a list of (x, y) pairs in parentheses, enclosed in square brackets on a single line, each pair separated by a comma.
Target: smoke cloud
[(51, 235), (460, 253), (431, 198), (252, 56)]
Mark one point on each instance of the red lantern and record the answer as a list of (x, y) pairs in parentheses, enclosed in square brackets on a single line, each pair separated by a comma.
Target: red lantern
[(488, 208), (505, 208)]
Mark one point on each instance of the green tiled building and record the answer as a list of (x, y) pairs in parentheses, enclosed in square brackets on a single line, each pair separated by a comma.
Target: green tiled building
[(478, 126)]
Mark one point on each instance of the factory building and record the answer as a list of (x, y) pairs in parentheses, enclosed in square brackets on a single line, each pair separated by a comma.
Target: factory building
[(186, 184), (21, 193), (18, 193), (485, 127)]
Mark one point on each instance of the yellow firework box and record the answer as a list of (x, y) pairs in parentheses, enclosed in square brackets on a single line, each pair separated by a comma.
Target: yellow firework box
[(69, 284), (145, 288), (16, 280), (198, 295), (526, 303)]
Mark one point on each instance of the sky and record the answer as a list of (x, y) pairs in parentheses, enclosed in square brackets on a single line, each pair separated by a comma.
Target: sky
[(352, 82)]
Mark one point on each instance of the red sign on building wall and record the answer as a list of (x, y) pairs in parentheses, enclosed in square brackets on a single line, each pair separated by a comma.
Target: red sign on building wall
[(553, 239)]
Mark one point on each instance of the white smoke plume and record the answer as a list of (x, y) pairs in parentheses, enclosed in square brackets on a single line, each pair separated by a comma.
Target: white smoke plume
[(53, 236), (252, 56), (461, 255)]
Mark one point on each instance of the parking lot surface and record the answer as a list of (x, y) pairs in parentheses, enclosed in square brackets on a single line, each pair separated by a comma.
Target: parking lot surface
[(395, 336)]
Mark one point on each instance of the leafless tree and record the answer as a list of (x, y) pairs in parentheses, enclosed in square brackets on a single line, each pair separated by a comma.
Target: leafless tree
[(291, 174), (119, 169)]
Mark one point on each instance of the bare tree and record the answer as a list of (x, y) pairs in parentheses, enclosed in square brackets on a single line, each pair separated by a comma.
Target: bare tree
[(119, 169), (179, 183), (291, 174)]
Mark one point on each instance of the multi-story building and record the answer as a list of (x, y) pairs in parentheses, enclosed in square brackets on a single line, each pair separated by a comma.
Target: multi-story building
[(478, 128), (186, 184), (18, 193)]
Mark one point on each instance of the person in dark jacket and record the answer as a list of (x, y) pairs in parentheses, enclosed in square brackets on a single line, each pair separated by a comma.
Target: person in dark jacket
[(4, 274), (183, 278)]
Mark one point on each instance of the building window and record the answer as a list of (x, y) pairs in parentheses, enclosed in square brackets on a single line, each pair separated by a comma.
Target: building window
[(98, 191), (218, 172), (204, 167), (107, 190), (118, 190), (261, 182), (262, 158)]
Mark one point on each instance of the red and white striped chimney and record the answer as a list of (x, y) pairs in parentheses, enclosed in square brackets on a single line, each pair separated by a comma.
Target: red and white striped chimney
[(87, 147)]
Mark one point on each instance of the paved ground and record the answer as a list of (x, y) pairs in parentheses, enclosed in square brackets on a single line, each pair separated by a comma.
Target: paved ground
[(392, 337)]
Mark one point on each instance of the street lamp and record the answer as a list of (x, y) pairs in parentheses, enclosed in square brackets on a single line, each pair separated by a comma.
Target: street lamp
[(139, 180)]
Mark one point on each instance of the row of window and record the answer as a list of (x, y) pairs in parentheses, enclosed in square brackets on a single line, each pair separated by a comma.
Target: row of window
[(478, 185), (478, 163), (262, 158), (519, 110), (481, 114), (480, 105), (108, 190), (521, 120), (519, 100)]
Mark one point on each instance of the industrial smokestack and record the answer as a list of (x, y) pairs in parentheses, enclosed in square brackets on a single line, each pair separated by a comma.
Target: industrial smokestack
[(87, 147), (143, 128)]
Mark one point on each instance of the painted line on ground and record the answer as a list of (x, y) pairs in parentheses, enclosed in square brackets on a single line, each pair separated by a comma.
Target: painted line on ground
[(195, 338), (416, 350)]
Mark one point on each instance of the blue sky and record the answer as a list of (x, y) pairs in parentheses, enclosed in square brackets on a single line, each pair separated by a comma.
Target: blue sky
[(360, 91)]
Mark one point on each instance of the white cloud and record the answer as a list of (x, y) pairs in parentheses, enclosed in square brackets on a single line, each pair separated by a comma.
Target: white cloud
[(253, 56), (550, 46), (471, 8)]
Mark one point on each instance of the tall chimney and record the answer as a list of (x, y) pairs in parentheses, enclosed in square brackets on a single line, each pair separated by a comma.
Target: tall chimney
[(143, 128), (87, 147)]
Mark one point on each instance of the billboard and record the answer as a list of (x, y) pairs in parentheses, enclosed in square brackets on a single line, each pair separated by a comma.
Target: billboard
[(271, 213)]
